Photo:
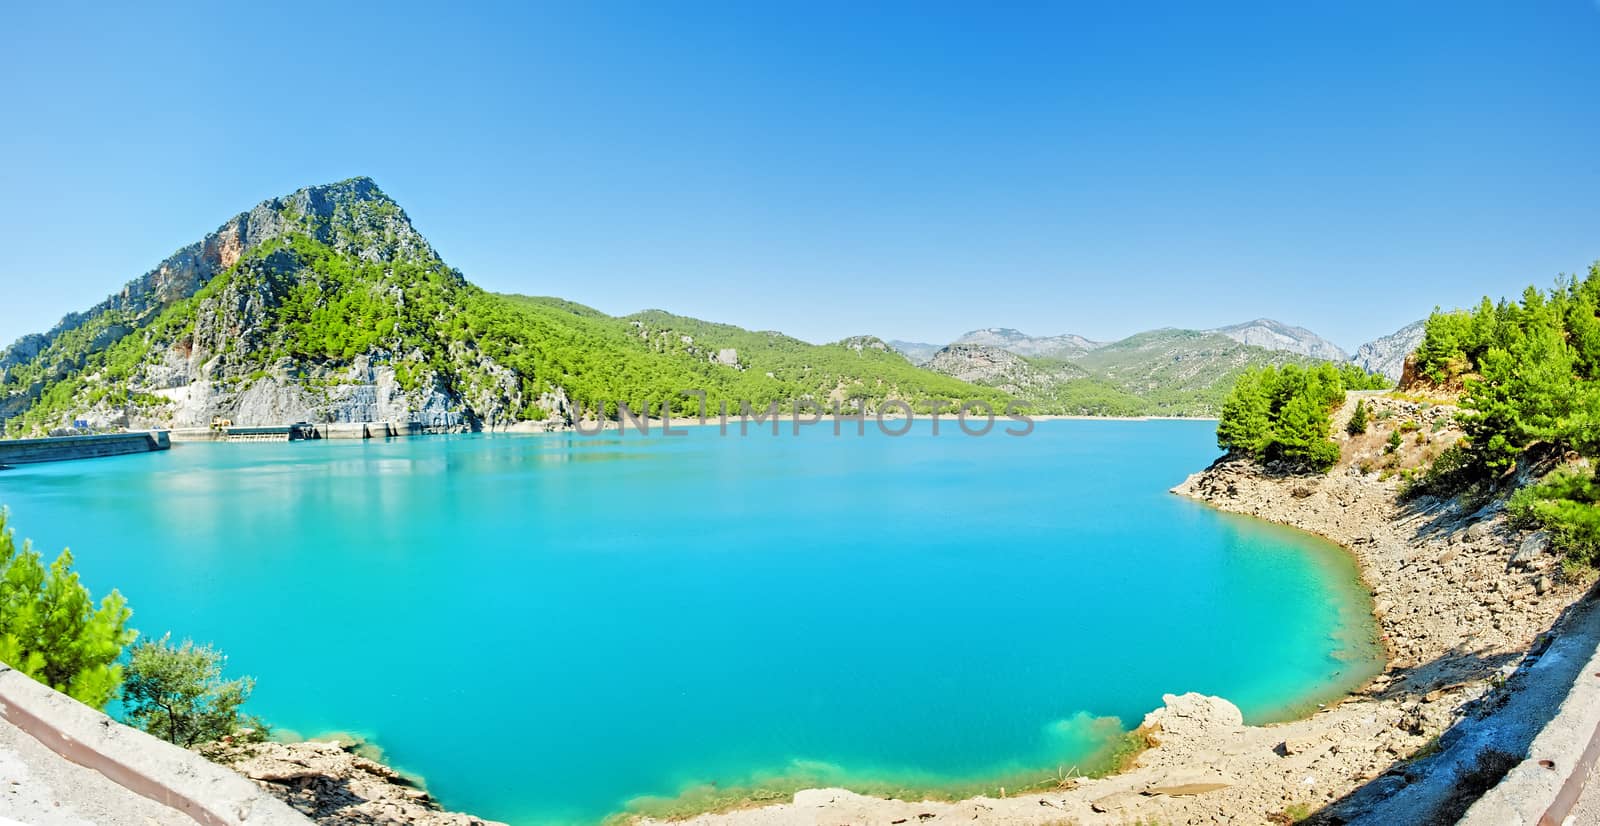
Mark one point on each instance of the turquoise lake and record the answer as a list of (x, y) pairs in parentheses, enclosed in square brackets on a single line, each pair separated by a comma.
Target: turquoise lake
[(548, 627)]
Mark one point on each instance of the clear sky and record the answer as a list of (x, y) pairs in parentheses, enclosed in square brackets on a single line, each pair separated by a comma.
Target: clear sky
[(908, 170)]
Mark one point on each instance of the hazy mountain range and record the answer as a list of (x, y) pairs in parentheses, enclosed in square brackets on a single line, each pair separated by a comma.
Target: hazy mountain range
[(1384, 355), (1172, 372)]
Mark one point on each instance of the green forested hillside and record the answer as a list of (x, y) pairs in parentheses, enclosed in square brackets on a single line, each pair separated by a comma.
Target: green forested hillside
[(328, 304)]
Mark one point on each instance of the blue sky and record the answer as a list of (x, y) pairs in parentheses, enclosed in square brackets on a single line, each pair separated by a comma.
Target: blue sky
[(909, 170)]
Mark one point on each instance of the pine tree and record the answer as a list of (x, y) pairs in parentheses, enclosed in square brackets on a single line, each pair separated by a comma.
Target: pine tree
[(50, 628), (1245, 423), (1358, 419), (1526, 394), (1300, 432)]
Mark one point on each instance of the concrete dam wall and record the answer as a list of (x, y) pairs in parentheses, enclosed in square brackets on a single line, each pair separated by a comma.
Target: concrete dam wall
[(62, 448)]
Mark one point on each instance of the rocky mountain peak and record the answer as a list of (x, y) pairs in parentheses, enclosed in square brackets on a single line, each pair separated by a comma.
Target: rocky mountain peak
[(1272, 334), (353, 216)]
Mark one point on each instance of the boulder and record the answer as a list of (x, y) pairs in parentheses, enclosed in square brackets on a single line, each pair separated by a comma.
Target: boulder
[(1307, 744), (1530, 553), (1191, 717)]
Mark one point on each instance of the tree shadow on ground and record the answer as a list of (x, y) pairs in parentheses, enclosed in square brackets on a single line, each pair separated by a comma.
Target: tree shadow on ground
[(1491, 734), (330, 801)]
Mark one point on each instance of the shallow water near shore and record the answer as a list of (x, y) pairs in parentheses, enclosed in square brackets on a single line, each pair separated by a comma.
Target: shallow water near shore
[(549, 627)]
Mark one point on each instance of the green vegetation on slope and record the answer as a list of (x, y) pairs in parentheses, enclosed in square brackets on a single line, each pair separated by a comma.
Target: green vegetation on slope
[(1283, 413), (307, 303), (771, 366), (1531, 375), (1531, 370)]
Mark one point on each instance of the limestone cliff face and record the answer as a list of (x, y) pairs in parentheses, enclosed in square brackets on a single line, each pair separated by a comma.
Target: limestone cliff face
[(1276, 335), (1004, 338), (1387, 355), (998, 368)]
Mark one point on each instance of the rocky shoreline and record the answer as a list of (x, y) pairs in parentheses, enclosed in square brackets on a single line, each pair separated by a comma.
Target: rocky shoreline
[(1462, 601), (331, 782)]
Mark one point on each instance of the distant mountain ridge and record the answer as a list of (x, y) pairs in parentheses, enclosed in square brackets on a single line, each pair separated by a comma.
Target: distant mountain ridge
[(915, 352), (1168, 371)]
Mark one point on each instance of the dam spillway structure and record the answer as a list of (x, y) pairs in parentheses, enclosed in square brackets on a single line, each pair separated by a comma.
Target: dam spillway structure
[(300, 431)]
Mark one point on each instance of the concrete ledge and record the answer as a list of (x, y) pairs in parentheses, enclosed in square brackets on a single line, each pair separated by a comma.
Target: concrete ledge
[(148, 766), (1543, 788)]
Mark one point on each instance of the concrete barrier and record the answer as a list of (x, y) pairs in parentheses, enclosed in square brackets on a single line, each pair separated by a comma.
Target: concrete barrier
[(1543, 788), (153, 768), (63, 448)]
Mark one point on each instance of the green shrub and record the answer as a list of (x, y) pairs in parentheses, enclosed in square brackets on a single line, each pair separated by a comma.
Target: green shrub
[(177, 693), (1567, 504), (1452, 472)]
